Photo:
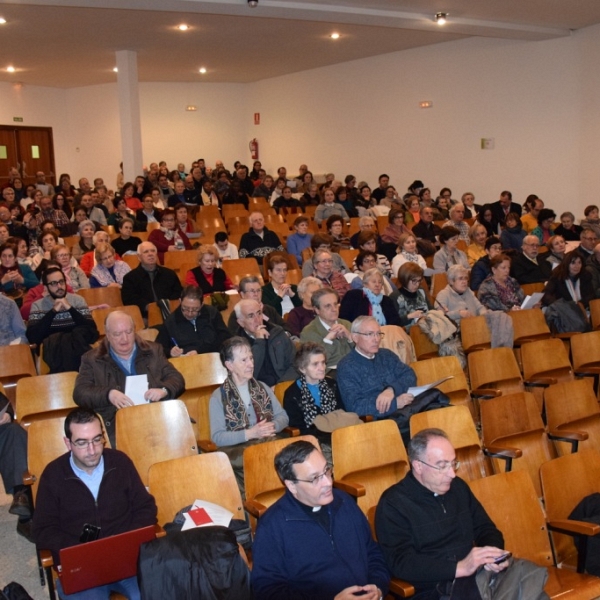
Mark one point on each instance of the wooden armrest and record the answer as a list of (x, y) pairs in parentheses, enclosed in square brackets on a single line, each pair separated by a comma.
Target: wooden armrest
[(541, 382), (588, 370), (401, 588), (207, 446), (46, 559), (484, 393), (354, 489), (533, 338), (159, 531), (256, 509), (572, 437), (29, 478), (572, 527), (366, 418), (292, 431), (507, 454)]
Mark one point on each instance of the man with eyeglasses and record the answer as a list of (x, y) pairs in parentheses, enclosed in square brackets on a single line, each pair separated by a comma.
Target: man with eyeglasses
[(88, 493), (373, 380), (272, 349), (62, 322), (193, 327), (100, 384), (525, 266), (432, 530), (588, 243), (314, 542)]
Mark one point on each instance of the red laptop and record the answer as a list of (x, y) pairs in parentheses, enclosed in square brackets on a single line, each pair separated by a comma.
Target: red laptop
[(103, 561)]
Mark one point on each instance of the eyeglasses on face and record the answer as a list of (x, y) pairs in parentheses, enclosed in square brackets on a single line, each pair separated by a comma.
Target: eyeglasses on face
[(97, 441), (443, 466), (328, 472), (59, 283), (190, 309), (371, 334)]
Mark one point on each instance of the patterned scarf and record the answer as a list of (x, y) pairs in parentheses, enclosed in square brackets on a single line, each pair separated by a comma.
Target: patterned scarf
[(236, 417), (307, 403), (104, 276), (375, 300)]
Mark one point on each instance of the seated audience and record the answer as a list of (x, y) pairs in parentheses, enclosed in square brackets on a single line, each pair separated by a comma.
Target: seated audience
[(108, 271), (407, 252), (592, 219), (329, 207), (149, 282), (323, 241), (168, 238), (426, 229), (15, 278), (193, 327), (449, 254), (556, 250), (412, 299), (286, 201), (88, 260), (121, 212), (62, 322), (279, 294), (486, 217), (456, 299), (499, 291), (90, 487), (85, 244), (292, 553), (272, 349), (457, 220), (569, 281), (530, 219), (148, 214), (226, 250), (476, 249), (513, 233), (327, 328), (183, 222), (365, 224), (526, 266), (207, 275), (504, 206), (323, 263), (395, 227), (367, 242), (46, 241), (100, 384), (300, 316), (481, 269), (259, 240), (370, 300), (545, 230), (588, 241), (76, 278), (126, 243), (12, 329), (437, 550), (300, 239), (364, 261), (567, 227), (310, 197), (335, 228), (471, 209), (413, 212)]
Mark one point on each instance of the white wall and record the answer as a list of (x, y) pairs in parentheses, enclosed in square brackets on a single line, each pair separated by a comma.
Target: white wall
[(539, 100)]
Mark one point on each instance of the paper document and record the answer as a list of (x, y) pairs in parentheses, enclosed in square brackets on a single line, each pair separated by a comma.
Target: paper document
[(415, 391), (135, 388), (205, 513), (531, 301)]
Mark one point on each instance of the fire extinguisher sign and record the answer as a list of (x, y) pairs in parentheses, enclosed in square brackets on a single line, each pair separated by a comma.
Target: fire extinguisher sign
[(257, 118)]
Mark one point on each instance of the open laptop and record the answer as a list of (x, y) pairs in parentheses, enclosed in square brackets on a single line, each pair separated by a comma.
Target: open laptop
[(103, 561)]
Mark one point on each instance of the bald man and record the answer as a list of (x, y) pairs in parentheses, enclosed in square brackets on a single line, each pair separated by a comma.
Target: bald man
[(102, 377)]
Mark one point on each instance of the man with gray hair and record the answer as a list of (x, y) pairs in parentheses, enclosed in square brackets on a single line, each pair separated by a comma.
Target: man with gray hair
[(435, 534), (457, 220), (272, 349), (259, 241), (525, 266), (100, 384)]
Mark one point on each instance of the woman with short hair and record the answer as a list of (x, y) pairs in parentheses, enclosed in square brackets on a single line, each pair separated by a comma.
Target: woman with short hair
[(207, 275), (107, 272)]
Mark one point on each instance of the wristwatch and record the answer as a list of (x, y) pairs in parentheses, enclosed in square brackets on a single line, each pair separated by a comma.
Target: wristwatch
[(166, 391)]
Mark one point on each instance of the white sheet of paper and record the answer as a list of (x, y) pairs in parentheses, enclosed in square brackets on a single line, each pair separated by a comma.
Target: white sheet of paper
[(15, 342), (135, 388), (415, 391), (219, 515), (532, 300)]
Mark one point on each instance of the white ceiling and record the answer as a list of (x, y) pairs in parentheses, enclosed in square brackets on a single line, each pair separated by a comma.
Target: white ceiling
[(72, 43)]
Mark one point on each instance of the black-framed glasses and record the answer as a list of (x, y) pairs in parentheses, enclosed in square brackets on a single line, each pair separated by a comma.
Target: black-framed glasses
[(328, 472), (59, 283), (99, 440), (443, 466)]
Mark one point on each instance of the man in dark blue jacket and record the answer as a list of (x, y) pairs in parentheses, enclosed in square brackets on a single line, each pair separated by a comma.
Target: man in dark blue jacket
[(314, 543)]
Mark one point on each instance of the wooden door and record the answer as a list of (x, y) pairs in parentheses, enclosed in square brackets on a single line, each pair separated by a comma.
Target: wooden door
[(30, 149)]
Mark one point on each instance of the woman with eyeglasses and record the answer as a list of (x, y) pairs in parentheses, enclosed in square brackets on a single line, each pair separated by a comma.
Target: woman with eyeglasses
[(207, 276), (364, 261), (456, 299), (108, 272), (412, 300), (15, 278), (168, 238), (242, 410), (75, 277)]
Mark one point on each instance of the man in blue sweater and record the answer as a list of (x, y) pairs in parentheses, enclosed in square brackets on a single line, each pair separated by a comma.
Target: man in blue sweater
[(314, 543), (373, 380)]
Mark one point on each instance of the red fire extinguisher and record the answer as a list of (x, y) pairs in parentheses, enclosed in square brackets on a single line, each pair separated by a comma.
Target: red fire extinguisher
[(254, 149)]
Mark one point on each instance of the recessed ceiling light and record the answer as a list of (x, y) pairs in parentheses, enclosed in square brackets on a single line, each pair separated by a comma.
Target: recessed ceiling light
[(335, 36), (2, 20), (183, 27), (10, 69), (441, 18), (115, 69), (202, 70)]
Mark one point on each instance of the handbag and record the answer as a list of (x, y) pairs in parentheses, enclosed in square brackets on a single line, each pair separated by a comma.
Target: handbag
[(336, 419)]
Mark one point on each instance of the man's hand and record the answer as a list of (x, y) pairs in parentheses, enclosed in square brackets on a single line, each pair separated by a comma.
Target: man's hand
[(337, 331), (176, 351), (261, 333), (365, 592), (61, 305), (155, 394), (6, 418), (478, 557), (262, 429), (404, 400), (286, 290), (384, 400), (119, 399)]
